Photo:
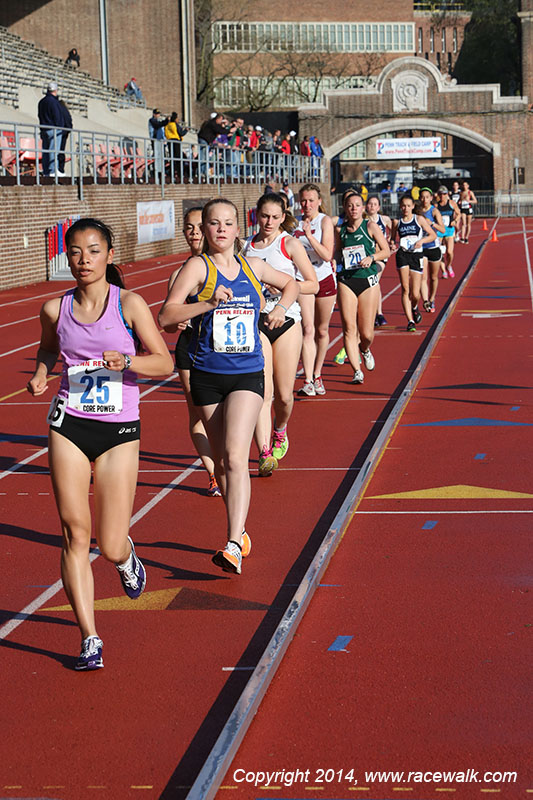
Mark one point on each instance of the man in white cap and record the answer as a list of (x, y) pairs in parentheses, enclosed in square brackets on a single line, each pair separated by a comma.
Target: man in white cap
[(51, 120)]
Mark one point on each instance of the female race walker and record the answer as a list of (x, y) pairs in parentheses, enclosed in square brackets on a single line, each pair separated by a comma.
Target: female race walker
[(364, 249), (373, 213), (193, 236), (315, 232), (221, 293), (431, 252), (455, 195), (282, 347), (95, 416), (414, 232), (451, 217), (466, 201)]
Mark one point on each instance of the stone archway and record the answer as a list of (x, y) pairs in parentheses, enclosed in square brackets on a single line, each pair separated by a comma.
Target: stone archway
[(411, 93)]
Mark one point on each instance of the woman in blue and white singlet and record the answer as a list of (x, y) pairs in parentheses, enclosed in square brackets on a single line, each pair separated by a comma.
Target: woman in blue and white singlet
[(221, 294), (431, 251), (451, 218), (413, 232), (384, 223)]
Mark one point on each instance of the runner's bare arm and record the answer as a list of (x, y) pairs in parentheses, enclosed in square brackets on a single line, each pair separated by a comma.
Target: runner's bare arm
[(156, 360), (48, 348)]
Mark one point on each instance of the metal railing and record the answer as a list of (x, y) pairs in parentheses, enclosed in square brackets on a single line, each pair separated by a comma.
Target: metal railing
[(89, 157), (489, 203)]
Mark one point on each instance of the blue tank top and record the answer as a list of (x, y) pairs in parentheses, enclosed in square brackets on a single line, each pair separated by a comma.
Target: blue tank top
[(226, 339), (430, 216)]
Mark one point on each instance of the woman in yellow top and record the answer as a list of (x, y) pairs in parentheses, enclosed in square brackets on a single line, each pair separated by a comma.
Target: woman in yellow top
[(174, 134)]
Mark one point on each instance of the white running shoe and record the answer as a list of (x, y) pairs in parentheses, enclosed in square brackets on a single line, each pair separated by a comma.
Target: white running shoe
[(308, 388), (368, 358), (358, 376), (319, 385)]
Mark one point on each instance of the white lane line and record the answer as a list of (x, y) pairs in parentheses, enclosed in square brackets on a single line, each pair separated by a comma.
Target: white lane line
[(18, 321), (528, 262), (18, 349), (39, 453), (43, 598), (56, 291), (457, 511), (20, 464)]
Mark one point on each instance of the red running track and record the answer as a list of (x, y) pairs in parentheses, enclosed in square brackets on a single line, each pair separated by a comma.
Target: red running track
[(414, 655), (177, 660)]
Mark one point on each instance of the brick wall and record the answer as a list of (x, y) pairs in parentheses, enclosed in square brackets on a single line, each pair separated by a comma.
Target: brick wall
[(33, 209)]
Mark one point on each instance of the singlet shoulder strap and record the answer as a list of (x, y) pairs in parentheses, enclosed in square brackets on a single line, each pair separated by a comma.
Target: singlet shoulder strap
[(210, 280), (249, 273)]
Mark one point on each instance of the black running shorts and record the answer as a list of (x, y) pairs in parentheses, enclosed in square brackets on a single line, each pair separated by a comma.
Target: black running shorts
[(209, 388)]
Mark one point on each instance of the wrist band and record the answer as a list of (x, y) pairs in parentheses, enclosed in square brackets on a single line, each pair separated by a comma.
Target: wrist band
[(283, 307)]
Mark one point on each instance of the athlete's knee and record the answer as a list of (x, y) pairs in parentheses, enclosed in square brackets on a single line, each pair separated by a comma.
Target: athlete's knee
[(235, 461), (76, 536), (117, 552)]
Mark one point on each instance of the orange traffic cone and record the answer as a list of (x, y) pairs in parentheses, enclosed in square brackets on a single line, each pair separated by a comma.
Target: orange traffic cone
[(494, 238), (484, 228)]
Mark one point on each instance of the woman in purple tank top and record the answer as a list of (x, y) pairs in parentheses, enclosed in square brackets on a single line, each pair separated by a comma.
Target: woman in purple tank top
[(95, 416)]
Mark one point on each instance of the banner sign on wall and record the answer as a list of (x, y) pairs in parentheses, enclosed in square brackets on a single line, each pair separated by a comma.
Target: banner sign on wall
[(409, 148), (155, 221)]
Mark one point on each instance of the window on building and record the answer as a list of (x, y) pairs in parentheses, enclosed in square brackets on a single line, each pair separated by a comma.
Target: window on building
[(455, 40), (443, 40), (320, 36), (354, 152), (281, 93), (420, 40), (431, 40)]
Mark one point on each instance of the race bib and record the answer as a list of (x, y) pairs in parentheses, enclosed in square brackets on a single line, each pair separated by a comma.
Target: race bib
[(56, 412), (446, 220), (233, 330), (94, 389), (465, 204), (352, 256), (409, 243)]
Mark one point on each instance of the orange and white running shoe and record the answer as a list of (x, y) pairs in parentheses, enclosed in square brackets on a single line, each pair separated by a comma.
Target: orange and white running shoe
[(230, 558)]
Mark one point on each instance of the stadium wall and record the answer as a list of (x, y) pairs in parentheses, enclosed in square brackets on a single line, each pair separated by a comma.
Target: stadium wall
[(31, 210)]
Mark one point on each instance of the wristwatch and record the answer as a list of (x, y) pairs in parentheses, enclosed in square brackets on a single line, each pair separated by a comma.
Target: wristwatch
[(127, 362)]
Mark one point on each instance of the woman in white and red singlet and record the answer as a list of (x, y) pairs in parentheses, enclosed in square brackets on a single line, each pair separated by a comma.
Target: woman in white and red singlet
[(281, 346), (315, 231), (94, 418)]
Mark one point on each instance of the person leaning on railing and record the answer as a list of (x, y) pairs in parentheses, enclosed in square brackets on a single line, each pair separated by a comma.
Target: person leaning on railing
[(174, 133)]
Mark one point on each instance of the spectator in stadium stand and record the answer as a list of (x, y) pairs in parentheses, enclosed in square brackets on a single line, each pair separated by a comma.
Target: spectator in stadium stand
[(295, 148), (386, 189), (289, 194), (51, 119), (156, 130), (305, 147), (316, 154), (133, 89), (73, 58), (210, 129), (175, 133), (67, 123), (235, 142), (286, 144), (276, 140)]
